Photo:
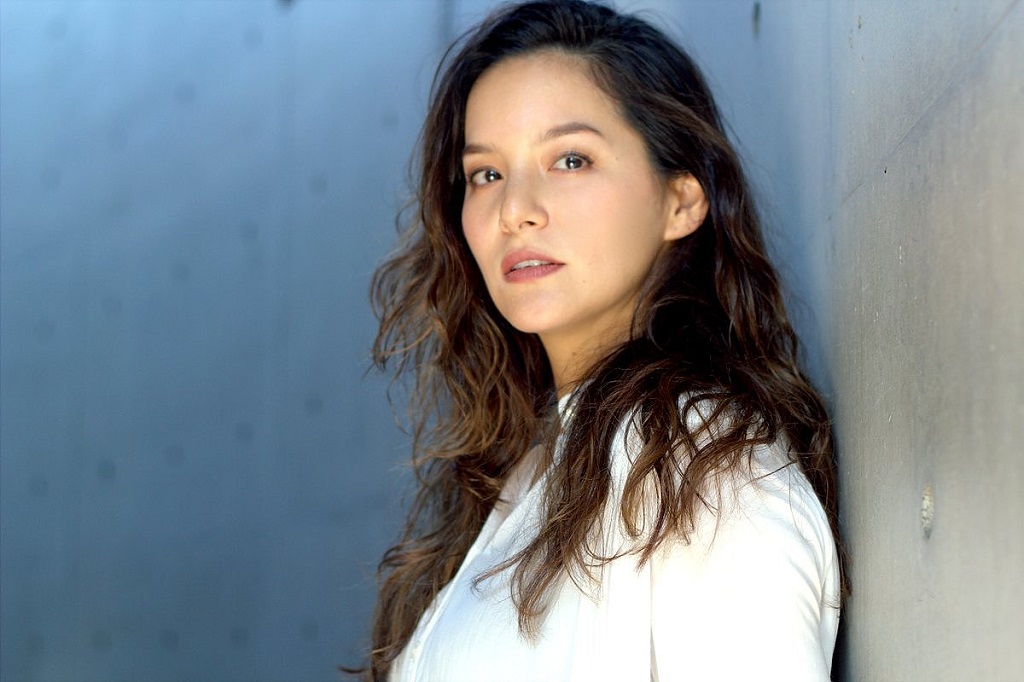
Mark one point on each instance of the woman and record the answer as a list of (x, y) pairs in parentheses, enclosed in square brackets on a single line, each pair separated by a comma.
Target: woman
[(623, 474)]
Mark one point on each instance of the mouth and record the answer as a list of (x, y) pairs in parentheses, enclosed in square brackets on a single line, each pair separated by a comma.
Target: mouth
[(532, 263), (523, 260), (522, 266)]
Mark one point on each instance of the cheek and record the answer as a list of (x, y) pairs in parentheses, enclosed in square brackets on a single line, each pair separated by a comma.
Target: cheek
[(477, 248), (468, 231), (470, 236), (474, 232)]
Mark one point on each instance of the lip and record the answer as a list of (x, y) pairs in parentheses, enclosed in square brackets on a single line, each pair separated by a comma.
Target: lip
[(532, 272)]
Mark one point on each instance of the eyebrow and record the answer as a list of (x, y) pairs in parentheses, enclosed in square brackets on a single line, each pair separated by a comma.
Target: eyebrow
[(570, 128)]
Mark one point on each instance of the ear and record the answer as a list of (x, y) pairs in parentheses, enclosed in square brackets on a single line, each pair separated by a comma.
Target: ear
[(686, 206)]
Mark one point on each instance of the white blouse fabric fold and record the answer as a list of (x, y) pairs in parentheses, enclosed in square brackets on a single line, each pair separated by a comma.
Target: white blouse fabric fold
[(753, 596)]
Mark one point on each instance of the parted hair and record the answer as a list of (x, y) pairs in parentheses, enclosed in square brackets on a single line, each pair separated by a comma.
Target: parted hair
[(711, 329)]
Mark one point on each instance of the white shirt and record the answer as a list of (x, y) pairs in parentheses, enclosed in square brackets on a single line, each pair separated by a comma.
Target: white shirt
[(753, 596)]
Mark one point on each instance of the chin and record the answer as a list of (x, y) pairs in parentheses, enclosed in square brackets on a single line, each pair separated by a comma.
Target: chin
[(523, 320), (526, 328)]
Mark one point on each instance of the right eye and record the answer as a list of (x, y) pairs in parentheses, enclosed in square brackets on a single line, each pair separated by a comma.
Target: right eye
[(484, 176)]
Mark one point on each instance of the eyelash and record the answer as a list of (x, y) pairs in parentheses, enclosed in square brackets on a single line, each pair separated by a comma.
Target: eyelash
[(470, 177), (586, 161), (574, 155)]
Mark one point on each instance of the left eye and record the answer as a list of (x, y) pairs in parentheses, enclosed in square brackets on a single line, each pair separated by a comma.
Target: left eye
[(571, 162)]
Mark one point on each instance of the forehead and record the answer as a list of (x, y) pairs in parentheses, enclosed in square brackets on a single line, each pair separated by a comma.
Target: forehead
[(536, 89)]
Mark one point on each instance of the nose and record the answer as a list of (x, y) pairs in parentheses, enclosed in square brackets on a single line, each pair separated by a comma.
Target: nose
[(521, 206)]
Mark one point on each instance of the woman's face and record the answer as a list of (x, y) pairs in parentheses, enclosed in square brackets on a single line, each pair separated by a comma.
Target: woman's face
[(564, 213)]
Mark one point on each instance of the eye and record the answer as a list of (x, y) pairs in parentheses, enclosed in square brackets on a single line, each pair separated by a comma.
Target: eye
[(571, 161), (484, 176)]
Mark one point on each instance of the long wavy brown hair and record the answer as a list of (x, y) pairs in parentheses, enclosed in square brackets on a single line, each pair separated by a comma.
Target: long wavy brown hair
[(711, 330)]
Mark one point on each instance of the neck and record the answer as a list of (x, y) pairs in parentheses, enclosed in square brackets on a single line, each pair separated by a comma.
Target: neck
[(569, 365)]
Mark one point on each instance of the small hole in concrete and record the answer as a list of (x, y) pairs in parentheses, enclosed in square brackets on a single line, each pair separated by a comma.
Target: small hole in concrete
[(927, 510)]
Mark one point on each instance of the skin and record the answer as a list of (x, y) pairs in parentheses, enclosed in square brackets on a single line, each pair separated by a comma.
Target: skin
[(557, 180)]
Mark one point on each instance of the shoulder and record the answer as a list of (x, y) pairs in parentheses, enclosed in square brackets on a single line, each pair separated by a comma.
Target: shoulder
[(753, 567), (759, 571), (762, 499)]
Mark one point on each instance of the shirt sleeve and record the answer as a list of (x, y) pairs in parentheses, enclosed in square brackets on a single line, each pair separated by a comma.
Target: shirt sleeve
[(754, 594)]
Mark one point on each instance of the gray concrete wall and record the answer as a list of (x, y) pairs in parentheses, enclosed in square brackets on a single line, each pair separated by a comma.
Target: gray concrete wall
[(195, 476), (888, 144), (197, 480), (927, 333)]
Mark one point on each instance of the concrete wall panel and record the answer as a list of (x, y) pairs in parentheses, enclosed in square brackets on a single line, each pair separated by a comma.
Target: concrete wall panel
[(196, 478), (890, 61), (929, 319)]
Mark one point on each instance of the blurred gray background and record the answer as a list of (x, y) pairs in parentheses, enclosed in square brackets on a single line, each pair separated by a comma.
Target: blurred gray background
[(197, 476)]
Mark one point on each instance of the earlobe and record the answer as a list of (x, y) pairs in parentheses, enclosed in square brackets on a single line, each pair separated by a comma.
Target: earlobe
[(687, 206)]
